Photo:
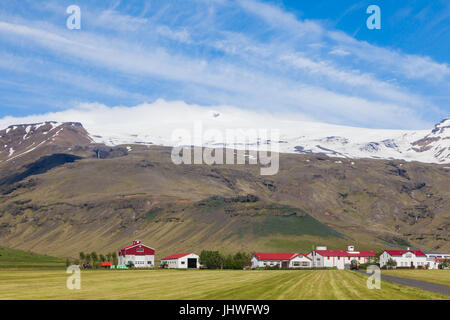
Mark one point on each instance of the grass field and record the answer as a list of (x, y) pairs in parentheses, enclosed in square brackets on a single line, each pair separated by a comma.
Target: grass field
[(201, 284), (12, 258), (436, 276)]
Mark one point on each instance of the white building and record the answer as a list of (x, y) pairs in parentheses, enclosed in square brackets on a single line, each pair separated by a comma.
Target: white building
[(181, 261), (341, 259), (433, 259), (404, 258), (138, 254), (281, 260)]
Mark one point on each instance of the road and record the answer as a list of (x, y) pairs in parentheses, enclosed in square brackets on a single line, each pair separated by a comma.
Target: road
[(438, 288)]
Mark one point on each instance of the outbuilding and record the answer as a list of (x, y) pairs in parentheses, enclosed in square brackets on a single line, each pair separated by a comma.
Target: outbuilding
[(434, 259), (280, 260), (181, 261), (140, 255)]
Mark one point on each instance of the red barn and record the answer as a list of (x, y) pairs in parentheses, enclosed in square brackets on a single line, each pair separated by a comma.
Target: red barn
[(139, 254)]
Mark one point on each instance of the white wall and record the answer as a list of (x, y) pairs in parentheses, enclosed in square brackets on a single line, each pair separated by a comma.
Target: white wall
[(404, 260), (181, 263), (147, 261)]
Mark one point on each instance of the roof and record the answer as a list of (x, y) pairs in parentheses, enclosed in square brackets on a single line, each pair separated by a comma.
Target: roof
[(176, 256), (106, 264), (418, 253), (276, 256), (135, 243), (345, 253)]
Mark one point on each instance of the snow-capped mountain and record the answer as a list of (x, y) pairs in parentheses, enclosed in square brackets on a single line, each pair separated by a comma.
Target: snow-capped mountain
[(430, 146), (19, 141), (170, 124)]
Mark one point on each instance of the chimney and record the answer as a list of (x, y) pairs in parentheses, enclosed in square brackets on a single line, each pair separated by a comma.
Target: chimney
[(351, 248)]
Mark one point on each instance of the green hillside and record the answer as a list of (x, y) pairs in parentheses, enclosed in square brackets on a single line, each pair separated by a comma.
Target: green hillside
[(13, 258)]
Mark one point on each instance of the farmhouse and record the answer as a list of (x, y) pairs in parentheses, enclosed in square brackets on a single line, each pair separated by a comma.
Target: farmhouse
[(281, 260), (404, 258), (138, 254), (341, 259), (181, 261)]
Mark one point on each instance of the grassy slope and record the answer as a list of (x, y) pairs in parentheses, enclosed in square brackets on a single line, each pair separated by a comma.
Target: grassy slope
[(436, 276), (103, 205), (12, 258), (203, 284)]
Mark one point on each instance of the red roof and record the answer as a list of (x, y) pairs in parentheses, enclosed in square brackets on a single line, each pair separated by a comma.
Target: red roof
[(137, 248), (176, 256), (106, 264), (345, 253), (418, 253), (276, 256)]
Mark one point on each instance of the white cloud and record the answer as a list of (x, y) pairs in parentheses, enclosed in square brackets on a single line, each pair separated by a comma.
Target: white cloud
[(292, 70)]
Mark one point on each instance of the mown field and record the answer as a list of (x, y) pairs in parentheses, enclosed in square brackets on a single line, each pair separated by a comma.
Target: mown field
[(436, 276), (202, 284)]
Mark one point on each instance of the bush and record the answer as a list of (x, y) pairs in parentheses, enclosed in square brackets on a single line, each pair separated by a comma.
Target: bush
[(238, 261), (211, 259)]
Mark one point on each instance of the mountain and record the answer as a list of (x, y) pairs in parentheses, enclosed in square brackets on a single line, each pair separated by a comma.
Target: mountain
[(62, 193), (295, 136), (28, 140)]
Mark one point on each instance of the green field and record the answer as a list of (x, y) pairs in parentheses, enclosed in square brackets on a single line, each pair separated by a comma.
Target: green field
[(12, 258), (436, 276), (201, 284)]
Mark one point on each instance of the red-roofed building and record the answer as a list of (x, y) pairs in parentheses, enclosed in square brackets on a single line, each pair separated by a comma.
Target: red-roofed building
[(139, 254), (181, 261), (341, 259), (404, 258), (434, 259), (281, 260)]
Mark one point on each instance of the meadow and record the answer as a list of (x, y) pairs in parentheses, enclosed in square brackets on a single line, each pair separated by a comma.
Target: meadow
[(202, 285)]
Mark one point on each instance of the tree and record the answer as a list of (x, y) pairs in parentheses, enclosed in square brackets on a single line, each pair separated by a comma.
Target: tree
[(391, 263), (444, 264), (68, 263), (82, 256), (237, 261), (102, 258), (211, 259), (109, 256), (88, 258), (114, 258)]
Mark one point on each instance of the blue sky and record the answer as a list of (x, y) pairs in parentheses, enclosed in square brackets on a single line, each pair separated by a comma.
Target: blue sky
[(316, 59)]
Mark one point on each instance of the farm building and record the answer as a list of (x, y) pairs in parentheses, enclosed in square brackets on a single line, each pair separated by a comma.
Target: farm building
[(282, 260), (341, 259), (181, 261), (434, 259), (138, 254), (404, 258)]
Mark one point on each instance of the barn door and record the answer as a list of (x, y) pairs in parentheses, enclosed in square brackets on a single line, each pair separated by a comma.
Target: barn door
[(192, 263)]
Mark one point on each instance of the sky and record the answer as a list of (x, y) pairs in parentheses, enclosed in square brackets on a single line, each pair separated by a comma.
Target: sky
[(315, 60)]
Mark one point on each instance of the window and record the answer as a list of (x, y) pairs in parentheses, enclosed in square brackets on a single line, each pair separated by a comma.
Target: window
[(140, 250), (182, 262)]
